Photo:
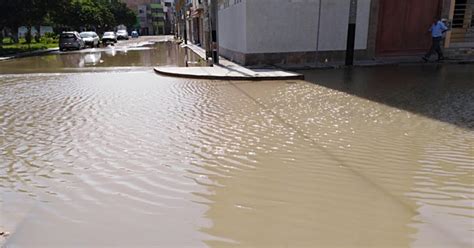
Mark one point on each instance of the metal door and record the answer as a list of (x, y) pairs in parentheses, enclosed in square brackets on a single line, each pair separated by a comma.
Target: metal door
[(403, 26)]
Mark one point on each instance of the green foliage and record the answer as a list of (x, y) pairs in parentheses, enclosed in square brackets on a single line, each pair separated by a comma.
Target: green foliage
[(10, 48), (65, 14), (95, 14)]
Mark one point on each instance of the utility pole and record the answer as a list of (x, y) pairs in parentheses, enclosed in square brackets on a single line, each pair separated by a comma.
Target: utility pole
[(185, 28), (214, 28), (351, 32), (207, 27)]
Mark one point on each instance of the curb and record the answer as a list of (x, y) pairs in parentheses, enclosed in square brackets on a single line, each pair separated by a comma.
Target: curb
[(375, 64), (29, 54), (233, 78)]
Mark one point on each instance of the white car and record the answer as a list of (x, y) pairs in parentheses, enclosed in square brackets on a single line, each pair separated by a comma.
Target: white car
[(109, 37), (122, 35), (90, 39)]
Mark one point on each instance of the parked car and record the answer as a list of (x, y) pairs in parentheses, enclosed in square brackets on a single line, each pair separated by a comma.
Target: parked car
[(90, 38), (134, 34), (122, 35), (109, 37), (70, 40)]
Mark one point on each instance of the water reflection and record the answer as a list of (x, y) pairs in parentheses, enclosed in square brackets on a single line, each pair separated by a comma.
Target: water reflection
[(111, 51), (92, 59)]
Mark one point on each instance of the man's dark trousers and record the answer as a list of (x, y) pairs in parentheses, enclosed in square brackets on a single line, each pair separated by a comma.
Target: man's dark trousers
[(435, 47)]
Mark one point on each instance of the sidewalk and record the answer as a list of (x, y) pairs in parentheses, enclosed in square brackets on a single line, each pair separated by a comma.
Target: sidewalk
[(226, 70), (28, 54), (395, 61)]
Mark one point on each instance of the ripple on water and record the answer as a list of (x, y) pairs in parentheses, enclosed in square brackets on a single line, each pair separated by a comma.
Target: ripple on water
[(215, 163)]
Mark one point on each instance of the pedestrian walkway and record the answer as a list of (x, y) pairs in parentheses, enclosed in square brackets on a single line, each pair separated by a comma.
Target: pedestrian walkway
[(226, 70)]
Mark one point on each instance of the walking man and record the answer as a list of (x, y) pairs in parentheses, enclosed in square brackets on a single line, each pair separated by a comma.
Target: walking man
[(437, 30)]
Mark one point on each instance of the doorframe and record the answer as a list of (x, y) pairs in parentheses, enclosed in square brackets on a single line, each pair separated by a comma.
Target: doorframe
[(375, 26), (447, 41)]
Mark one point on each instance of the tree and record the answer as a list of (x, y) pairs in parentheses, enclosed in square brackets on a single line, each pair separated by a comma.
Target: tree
[(64, 14), (29, 13), (12, 15), (123, 15)]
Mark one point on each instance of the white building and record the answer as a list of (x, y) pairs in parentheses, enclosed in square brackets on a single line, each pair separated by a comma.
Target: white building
[(288, 31), (311, 31)]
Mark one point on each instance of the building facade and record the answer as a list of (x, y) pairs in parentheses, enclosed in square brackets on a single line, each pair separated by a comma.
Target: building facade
[(169, 16), (155, 17), (196, 20), (315, 31)]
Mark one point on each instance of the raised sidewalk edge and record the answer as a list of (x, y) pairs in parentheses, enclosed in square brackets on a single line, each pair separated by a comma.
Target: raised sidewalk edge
[(29, 54), (173, 72), (226, 70)]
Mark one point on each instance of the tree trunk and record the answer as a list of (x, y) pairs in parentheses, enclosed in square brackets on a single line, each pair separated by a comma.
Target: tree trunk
[(38, 34), (28, 34), (1, 36), (15, 35)]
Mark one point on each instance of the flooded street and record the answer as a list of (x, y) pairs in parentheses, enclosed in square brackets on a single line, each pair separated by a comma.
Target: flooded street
[(116, 155), (111, 58)]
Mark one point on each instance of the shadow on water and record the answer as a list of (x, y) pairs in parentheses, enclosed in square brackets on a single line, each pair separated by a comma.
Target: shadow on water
[(441, 92), (162, 54)]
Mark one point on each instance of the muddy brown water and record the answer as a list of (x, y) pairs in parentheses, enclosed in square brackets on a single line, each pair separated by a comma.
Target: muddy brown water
[(100, 59), (133, 159)]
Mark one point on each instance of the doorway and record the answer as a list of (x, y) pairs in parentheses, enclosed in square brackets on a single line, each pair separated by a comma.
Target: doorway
[(403, 26)]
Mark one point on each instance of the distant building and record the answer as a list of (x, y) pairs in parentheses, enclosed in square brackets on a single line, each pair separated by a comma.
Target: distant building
[(43, 30), (194, 21), (169, 16), (155, 17)]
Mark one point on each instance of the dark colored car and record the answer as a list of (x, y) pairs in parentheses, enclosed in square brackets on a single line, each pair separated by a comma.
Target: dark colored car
[(70, 40)]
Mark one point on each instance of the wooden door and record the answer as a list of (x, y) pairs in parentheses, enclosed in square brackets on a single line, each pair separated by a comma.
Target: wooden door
[(403, 26)]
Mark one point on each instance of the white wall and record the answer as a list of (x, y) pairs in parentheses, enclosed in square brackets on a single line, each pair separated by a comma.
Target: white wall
[(281, 25), (232, 27), (334, 23), (362, 24), (273, 26)]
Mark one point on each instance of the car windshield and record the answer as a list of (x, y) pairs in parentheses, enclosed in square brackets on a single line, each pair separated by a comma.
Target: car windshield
[(87, 35), (121, 31), (67, 35), (108, 33)]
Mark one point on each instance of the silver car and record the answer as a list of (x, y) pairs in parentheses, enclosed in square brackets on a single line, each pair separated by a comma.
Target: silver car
[(122, 35), (90, 39), (70, 40), (109, 37)]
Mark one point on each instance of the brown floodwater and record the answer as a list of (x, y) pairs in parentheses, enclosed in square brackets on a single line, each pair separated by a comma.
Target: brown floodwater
[(134, 159), (112, 58)]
